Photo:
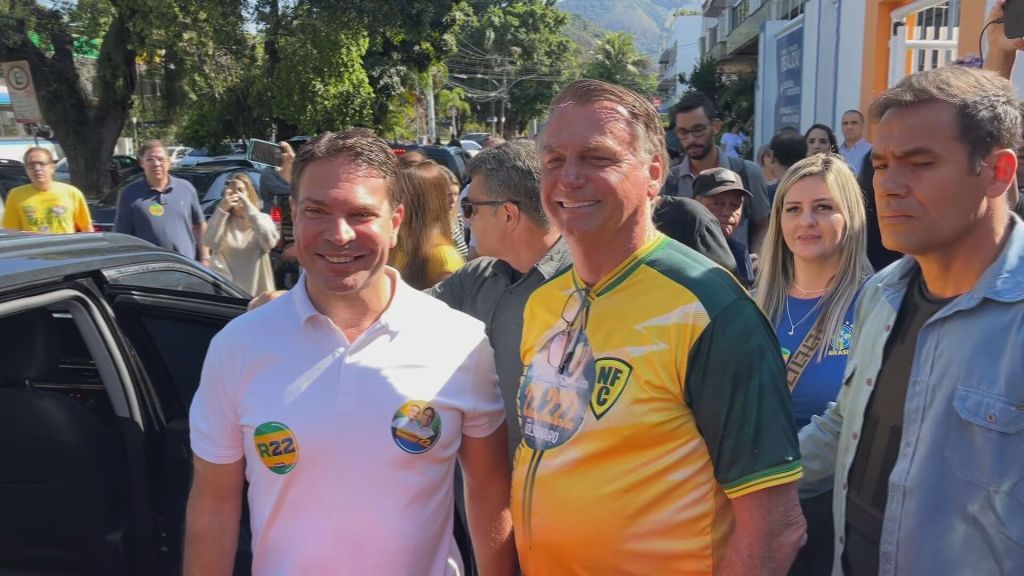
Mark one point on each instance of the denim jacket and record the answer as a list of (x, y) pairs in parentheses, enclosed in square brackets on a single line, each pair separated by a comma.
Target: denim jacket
[(956, 491)]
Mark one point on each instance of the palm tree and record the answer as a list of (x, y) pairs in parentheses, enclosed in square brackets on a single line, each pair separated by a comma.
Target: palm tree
[(616, 59), (453, 99)]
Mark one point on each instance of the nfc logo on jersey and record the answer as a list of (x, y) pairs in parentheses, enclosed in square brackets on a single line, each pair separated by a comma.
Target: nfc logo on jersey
[(612, 377)]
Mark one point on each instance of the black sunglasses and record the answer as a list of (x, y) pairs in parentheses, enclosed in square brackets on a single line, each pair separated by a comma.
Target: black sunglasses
[(467, 205)]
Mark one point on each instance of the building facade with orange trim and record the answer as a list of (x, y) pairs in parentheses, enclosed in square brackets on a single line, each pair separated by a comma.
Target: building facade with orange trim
[(818, 58)]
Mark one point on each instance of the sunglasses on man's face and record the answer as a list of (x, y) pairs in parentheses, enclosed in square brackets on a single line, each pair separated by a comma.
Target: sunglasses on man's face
[(469, 206)]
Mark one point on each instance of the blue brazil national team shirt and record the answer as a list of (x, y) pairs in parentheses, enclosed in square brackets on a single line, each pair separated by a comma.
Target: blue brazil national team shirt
[(820, 381)]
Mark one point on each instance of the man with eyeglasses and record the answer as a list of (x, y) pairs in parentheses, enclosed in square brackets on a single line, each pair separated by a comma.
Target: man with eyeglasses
[(519, 250), (44, 205), (696, 126), (658, 434), (161, 208)]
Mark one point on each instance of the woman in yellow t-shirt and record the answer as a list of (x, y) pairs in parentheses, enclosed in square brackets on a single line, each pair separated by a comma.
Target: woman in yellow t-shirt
[(425, 253)]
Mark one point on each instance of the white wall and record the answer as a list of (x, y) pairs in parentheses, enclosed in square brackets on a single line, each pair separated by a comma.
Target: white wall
[(850, 58), (686, 34), (825, 101), (833, 53)]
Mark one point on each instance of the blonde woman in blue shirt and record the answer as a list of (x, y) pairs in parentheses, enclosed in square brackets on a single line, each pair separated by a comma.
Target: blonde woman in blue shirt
[(813, 263)]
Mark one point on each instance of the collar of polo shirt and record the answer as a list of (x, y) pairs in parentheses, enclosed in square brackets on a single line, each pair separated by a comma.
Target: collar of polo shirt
[(397, 312)]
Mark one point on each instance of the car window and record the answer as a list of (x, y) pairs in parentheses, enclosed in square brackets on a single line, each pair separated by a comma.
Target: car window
[(172, 350), (169, 279), (199, 180), (460, 162)]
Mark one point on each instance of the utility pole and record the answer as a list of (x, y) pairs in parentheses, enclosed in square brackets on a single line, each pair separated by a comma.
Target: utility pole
[(431, 118), (504, 98)]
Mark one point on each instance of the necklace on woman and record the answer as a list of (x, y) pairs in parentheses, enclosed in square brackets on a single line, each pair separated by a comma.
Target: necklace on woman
[(792, 326), (806, 291)]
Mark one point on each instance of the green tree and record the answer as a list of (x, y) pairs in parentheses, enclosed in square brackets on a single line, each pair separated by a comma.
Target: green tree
[(616, 59), (88, 113), (405, 36), (324, 64), (512, 52), (739, 98), (320, 84), (705, 79), (734, 96), (453, 99)]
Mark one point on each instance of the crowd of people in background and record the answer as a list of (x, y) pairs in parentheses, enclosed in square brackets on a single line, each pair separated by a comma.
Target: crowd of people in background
[(592, 252), (803, 364)]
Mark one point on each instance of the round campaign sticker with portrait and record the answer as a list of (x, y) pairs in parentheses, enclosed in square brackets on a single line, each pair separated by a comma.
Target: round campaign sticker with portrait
[(276, 446), (555, 391), (416, 426)]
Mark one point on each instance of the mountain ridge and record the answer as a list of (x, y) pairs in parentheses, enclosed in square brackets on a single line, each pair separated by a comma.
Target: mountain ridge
[(647, 20)]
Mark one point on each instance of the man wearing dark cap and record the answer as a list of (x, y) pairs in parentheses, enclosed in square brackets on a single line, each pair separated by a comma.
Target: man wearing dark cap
[(721, 191)]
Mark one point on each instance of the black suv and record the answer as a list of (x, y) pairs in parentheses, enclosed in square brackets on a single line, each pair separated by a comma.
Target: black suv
[(451, 157), (102, 341)]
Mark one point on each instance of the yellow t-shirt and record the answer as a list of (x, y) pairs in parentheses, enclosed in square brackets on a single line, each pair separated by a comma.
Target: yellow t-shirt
[(59, 210), (443, 261), (672, 401)]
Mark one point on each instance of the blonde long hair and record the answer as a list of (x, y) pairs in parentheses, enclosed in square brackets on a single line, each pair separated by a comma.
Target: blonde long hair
[(250, 190), (777, 267), (423, 190)]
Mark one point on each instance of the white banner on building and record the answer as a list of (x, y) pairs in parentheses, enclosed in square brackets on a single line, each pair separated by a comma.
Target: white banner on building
[(23, 92)]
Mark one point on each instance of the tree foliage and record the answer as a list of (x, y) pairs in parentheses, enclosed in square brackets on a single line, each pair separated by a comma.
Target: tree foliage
[(329, 64), (617, 60), (734, 95), (513, 51), (705, 79), (87, 104)]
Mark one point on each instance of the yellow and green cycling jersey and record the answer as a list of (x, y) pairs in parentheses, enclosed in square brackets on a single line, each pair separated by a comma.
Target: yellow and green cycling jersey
[(649, 400)]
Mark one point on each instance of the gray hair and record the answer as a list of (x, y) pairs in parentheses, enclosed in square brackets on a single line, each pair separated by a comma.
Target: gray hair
[(986, 105), (640, 116), (512, 172), (150, 145)]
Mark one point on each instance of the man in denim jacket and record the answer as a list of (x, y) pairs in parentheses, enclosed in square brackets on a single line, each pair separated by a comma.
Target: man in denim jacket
[(926, 439)]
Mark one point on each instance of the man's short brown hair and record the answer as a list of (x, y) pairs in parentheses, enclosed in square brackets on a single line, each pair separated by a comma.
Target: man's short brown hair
[(367, 153), (987, 110), (641, 117)]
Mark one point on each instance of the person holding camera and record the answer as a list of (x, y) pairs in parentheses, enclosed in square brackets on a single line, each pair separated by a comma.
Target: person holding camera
[(241, 236)]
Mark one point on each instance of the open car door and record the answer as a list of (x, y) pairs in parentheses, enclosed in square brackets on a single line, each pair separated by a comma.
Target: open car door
[(169, 315)]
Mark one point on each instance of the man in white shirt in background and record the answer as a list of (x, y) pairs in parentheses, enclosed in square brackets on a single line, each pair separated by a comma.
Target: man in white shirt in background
[(854, 147)]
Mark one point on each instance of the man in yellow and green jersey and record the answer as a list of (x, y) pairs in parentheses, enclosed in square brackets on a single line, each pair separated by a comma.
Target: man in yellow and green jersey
[(44, 205), (658, 436)]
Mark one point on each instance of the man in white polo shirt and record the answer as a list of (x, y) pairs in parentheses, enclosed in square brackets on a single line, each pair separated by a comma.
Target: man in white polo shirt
[(308, 398)]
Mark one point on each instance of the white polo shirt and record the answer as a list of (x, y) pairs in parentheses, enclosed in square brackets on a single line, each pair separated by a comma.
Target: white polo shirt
[(349, 448)]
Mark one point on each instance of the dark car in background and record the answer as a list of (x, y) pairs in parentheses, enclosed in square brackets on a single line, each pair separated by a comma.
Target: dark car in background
[(282, 261), (121, 168), (208, 181), (451, 157), (477, 137), (102, 342), (12, 175)]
